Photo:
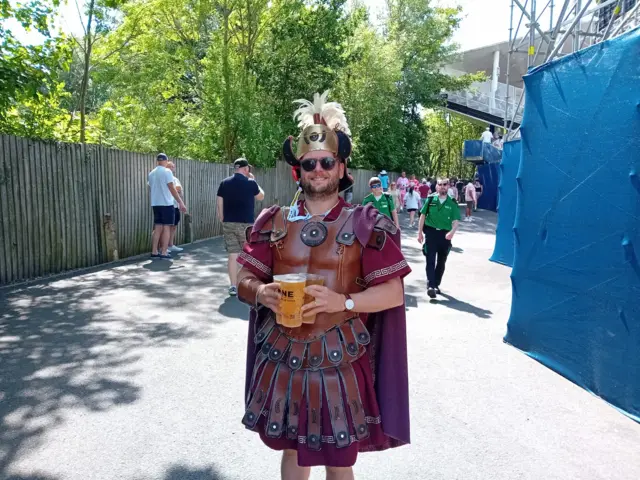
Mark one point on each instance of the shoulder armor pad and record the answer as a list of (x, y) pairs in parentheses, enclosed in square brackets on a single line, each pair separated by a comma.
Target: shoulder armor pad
[(261, 229), (385, 223)]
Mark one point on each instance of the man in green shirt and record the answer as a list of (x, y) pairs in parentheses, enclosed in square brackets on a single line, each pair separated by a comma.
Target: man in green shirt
[(381, 200), (439, 220)]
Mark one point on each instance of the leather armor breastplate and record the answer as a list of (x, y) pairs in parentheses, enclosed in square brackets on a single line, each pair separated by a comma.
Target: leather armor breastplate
[(336, 257)]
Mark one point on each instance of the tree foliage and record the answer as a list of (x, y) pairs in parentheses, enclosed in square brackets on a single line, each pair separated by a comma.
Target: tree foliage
[(215, 79)]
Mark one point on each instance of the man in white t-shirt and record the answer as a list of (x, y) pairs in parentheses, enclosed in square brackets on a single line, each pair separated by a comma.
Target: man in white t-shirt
[(163, 193), (487, 136), (176, 211), (470, 198)]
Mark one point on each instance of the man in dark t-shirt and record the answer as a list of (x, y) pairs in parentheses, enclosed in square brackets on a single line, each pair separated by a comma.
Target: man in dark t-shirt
[(236, 204)]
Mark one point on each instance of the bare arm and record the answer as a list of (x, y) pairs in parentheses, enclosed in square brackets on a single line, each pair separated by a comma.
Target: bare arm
[(420, 227), (219, 205), (378, 298), (374, 299), (454, 229), (260, 195), (176, 196)]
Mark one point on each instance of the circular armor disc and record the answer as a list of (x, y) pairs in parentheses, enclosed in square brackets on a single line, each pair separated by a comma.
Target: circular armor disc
[(313, 234)]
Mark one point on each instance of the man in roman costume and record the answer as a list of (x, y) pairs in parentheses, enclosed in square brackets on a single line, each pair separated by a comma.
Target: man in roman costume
[(325, 391)]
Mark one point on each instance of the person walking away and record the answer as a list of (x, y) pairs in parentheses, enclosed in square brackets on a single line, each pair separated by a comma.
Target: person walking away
[(381, 200), (403, 186), (411, 202), (384, 180), (470, 199), (453, 191), (425, 190), (163, 194), (176, 212), (395, 195), (460, 189), (439, 220), (313, 395), (487, 136), (236, 210), (479, 191)]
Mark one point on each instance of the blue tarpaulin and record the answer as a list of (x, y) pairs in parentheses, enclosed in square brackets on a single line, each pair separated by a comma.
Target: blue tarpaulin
[(576, 272), (507, 198), (477, 151), (489, 175)]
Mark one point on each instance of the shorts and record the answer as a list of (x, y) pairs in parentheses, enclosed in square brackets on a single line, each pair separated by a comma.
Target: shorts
[(163, 215), (234, 236), (470, 203), (412, 209), (176, 217)]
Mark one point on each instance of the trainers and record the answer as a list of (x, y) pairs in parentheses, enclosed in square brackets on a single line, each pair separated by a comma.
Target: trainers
[(431, 292), (155, 255), (173, 248), (437, 289), (165, 257), (233, 291)]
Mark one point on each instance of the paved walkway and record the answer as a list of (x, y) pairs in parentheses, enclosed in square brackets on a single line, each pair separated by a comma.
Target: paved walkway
[(136, 372)]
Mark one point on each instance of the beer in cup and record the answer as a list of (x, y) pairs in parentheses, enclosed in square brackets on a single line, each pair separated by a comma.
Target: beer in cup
[(312, 279), (291, 298)]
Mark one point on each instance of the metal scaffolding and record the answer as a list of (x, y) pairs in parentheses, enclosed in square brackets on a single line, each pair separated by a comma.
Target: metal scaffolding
[(548, 33)]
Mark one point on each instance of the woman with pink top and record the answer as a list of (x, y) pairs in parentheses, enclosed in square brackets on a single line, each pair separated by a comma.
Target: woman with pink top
[(403, 186)]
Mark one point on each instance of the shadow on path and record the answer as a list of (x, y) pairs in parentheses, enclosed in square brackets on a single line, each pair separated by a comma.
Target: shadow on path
[(455, 304), (73, 342)]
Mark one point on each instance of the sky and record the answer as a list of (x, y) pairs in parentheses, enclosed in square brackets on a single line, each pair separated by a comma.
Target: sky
[(484, 22)]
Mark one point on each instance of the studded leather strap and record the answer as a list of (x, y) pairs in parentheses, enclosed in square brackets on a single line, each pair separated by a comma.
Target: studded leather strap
[(353, 399), (296, 355), (316, 353), (336, 412), (278, 350), (256, 405), (333, 346), (349, 339), (295, 401), (360, 331), (314, 409), (278, 402)]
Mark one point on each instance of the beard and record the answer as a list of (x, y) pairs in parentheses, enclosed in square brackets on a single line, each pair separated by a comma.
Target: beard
[(317, 193)]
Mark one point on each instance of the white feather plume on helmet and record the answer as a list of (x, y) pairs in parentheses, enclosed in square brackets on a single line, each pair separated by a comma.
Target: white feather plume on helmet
[(320, 111)]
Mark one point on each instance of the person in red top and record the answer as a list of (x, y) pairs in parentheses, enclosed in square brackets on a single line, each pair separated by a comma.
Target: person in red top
[(324, 391), (425, 191)]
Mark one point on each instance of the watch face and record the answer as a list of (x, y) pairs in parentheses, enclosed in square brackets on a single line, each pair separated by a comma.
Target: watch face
[(349, 304)]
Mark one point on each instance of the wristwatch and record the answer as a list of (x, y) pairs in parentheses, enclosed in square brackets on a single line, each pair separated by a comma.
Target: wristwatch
[(349, 304)]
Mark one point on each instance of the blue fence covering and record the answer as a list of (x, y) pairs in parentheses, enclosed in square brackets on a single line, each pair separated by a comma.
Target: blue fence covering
[(576, 272), (489, 175), (507, 200)]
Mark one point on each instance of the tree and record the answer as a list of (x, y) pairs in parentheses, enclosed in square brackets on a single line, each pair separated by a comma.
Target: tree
[(447, 133), (28, 72)]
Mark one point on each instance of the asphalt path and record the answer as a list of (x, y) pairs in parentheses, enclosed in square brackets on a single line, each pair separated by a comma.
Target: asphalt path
[(136, 371)]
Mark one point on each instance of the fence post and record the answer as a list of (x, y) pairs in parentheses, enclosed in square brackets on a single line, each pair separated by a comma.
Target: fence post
[(112, 239), (188, 233)]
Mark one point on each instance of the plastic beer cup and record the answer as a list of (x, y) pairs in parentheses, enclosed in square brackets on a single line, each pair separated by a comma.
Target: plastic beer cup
[(291, 298), (312, 279)]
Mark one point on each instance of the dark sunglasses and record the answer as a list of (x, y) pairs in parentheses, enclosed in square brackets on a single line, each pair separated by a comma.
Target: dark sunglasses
[(375, 185), (443, 184), (327, 163)]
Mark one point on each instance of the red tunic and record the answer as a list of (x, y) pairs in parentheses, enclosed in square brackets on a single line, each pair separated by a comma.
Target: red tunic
[(378, 266)]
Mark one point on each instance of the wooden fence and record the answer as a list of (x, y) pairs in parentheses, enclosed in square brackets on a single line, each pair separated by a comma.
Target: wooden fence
[(60, 203)]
